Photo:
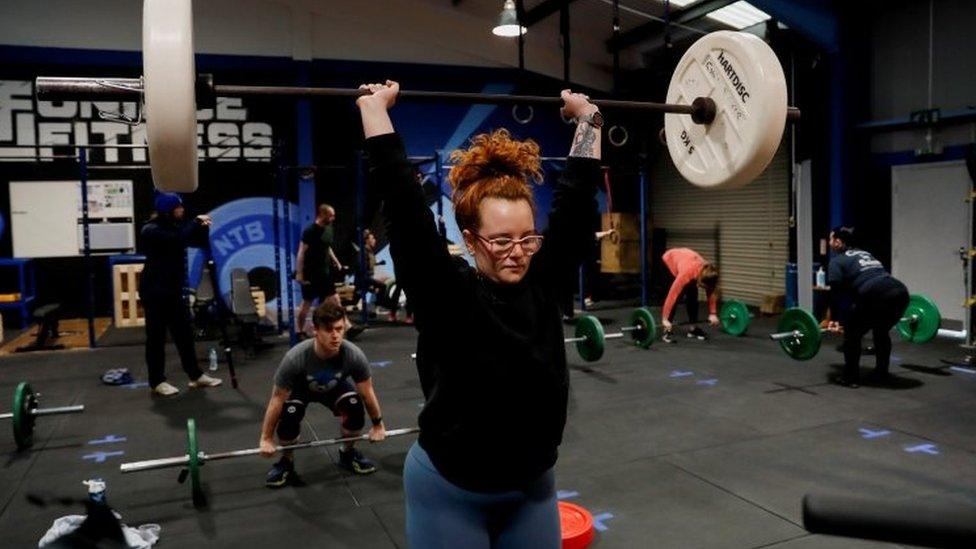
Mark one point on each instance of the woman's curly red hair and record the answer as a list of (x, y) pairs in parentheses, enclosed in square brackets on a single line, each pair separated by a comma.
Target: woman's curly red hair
[(494, 166)]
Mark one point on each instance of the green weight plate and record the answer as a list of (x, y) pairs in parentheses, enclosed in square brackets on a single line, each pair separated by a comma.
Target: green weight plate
[(807, 346), (926, 326), (193, 451), (734, 317), (592, 348), (645, 336), (23, 420)]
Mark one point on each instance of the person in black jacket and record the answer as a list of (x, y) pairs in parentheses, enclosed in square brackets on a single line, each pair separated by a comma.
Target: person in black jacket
[(865, 298), (490, 351), (165, 238)]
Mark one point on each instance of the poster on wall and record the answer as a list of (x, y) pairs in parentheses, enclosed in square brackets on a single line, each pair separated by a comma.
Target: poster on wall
[(46, 218)]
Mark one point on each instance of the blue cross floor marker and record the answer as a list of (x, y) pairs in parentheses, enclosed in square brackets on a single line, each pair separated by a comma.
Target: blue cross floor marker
[(598, 521), (930, 449), (109, 439), (869, 434), (100, 457)]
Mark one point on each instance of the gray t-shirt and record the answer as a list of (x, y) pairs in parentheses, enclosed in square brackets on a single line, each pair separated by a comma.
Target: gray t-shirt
[(307, 376)]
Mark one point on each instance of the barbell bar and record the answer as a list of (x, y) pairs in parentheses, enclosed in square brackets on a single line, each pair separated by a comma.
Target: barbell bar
[(195, 458), (725, 111), (25, 410), (56, 88)]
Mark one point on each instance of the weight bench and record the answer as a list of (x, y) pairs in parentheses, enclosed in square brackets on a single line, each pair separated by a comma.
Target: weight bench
[(245, 312), (46, 317)]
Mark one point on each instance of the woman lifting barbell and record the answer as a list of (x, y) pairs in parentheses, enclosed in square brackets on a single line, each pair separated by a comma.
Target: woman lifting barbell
[(874, 301), (689, 271), (490, 351)]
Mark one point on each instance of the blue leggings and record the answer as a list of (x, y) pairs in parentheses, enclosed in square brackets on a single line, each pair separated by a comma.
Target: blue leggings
[(440, 514)]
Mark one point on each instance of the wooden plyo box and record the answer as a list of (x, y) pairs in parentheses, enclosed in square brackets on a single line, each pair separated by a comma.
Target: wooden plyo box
[(128, 306), (620, 252)]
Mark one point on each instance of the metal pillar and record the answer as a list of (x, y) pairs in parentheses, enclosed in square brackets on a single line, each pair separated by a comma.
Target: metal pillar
[(804, 234), (86, 239), (361, 282), (643, 229)]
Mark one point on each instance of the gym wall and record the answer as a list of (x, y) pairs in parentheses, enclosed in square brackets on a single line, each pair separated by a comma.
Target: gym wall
[(899, 83)]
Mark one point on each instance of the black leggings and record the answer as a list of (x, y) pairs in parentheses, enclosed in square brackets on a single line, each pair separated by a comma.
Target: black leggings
[(690, 295), (171, 313), (878, 309)]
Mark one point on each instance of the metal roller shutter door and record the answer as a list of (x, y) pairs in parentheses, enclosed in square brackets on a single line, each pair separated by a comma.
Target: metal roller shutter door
[(746, 230)]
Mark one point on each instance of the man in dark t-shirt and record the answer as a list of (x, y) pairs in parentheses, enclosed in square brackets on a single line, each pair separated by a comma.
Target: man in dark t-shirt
[(315, 263), (863, 297), (333, 372)]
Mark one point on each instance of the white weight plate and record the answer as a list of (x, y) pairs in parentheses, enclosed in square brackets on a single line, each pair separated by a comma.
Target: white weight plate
[(169, 75), (742, 74)]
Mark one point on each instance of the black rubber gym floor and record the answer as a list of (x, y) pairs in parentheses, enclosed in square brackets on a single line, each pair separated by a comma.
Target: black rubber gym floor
[(696, 444)]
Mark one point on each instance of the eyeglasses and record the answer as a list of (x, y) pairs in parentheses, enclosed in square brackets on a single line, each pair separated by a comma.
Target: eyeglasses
[(503, 246)]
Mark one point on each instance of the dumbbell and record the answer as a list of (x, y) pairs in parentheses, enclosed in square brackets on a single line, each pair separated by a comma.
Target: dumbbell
[(734, 317), (25, 412), (799, 334), (590, 338)]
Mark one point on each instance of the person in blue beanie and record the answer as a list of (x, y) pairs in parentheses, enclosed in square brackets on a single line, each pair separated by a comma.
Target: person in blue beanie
[(165, 238)]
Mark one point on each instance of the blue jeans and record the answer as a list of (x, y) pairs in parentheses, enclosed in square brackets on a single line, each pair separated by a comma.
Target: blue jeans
[(441, 514)]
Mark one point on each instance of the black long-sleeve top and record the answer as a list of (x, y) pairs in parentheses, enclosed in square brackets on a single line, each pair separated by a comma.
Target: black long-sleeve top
[(491, 357), (851, 273), (164, 243)]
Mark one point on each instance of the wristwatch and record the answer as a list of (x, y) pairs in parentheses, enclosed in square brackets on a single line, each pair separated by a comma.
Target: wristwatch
[(376, 421), (594, 119)]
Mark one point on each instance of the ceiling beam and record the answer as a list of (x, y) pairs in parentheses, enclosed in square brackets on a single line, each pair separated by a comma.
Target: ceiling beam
[(541, 11), (643, 32)]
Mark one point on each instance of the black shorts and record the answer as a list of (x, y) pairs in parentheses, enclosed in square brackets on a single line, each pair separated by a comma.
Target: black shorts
[(318, 288)]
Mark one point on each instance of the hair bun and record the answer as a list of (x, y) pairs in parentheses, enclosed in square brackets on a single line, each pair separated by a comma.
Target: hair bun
[(492, 156)]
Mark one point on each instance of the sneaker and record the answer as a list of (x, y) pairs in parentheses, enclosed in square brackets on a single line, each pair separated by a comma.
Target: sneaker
[(408, 319), (392, 317), (205, 381), (353, 460), (669, 337), (697, 333), (280, 473), (165, 389)]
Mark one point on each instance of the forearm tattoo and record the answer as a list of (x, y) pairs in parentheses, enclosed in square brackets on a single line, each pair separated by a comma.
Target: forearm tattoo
[(584, 141)]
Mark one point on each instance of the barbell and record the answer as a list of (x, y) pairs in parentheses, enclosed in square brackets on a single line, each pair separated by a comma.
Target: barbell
[(799, 334), (725, 112), (590, 339), (25, 412), (195, 458)]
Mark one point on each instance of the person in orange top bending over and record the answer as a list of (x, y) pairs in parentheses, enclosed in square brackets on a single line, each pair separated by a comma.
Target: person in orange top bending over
[(690, 272)]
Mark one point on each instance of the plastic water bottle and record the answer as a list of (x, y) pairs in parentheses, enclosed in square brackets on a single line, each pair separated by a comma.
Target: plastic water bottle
[(821, 278), (212, 357), (96, 490)]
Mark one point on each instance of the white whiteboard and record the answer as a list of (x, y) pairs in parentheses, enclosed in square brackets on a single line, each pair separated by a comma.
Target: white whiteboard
[(45, 217), (929, 225)]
